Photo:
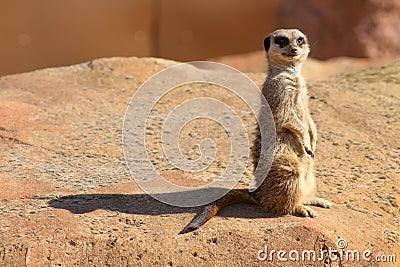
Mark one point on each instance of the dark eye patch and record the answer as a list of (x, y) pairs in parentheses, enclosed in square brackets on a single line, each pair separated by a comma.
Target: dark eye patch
[(281, 41), (300, 40)]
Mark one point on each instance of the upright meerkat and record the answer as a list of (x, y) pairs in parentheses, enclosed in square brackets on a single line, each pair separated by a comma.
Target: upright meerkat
[(290, 184)]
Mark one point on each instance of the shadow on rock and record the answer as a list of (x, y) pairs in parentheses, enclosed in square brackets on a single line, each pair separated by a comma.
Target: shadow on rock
[(144, 204)]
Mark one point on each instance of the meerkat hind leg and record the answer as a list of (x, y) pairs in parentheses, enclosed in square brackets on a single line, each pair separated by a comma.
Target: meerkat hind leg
[(319, 202), (305, 211)]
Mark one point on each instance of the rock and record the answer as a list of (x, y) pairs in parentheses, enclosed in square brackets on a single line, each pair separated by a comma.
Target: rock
[(67, 197), (346, 28)]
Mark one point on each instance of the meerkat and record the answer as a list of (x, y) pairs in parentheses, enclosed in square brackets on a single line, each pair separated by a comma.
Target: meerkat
[(290, 184)]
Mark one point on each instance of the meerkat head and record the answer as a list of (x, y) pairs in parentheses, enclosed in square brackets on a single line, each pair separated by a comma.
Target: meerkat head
[(289, 45)]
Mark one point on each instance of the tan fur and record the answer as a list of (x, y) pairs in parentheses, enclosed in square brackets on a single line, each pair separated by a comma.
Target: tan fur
[(290, 183), (209, 211)]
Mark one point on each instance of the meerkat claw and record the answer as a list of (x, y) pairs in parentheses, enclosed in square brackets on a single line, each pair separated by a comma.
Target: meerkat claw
[(310, 152)]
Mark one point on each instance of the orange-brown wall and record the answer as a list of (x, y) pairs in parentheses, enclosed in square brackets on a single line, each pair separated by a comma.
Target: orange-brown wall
[(43, 33), (204, 29)]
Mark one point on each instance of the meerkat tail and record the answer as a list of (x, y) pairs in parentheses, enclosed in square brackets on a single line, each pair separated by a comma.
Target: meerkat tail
[(210, 210), (201, 218)]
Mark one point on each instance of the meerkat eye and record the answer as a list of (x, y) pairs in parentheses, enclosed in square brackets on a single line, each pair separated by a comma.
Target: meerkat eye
[(282, 41), (300, 41)]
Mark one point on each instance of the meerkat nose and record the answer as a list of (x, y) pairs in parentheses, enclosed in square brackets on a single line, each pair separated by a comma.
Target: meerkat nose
[(293, 50)]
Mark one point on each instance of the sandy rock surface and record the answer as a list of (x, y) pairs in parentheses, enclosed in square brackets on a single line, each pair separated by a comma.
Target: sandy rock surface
[(67, 197)]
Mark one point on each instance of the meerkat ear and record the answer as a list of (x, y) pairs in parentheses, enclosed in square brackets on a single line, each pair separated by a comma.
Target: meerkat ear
[(267, 43)]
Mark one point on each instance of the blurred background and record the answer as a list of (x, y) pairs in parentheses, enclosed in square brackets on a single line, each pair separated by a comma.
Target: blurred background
[(45, 33)]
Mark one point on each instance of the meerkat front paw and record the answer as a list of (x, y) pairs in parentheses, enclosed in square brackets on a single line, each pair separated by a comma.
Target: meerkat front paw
[(307, 147), (309, 152), (305, 211), (313, 145)]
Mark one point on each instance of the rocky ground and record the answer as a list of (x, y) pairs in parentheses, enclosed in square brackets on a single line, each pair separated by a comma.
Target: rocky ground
[(67, 197)]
